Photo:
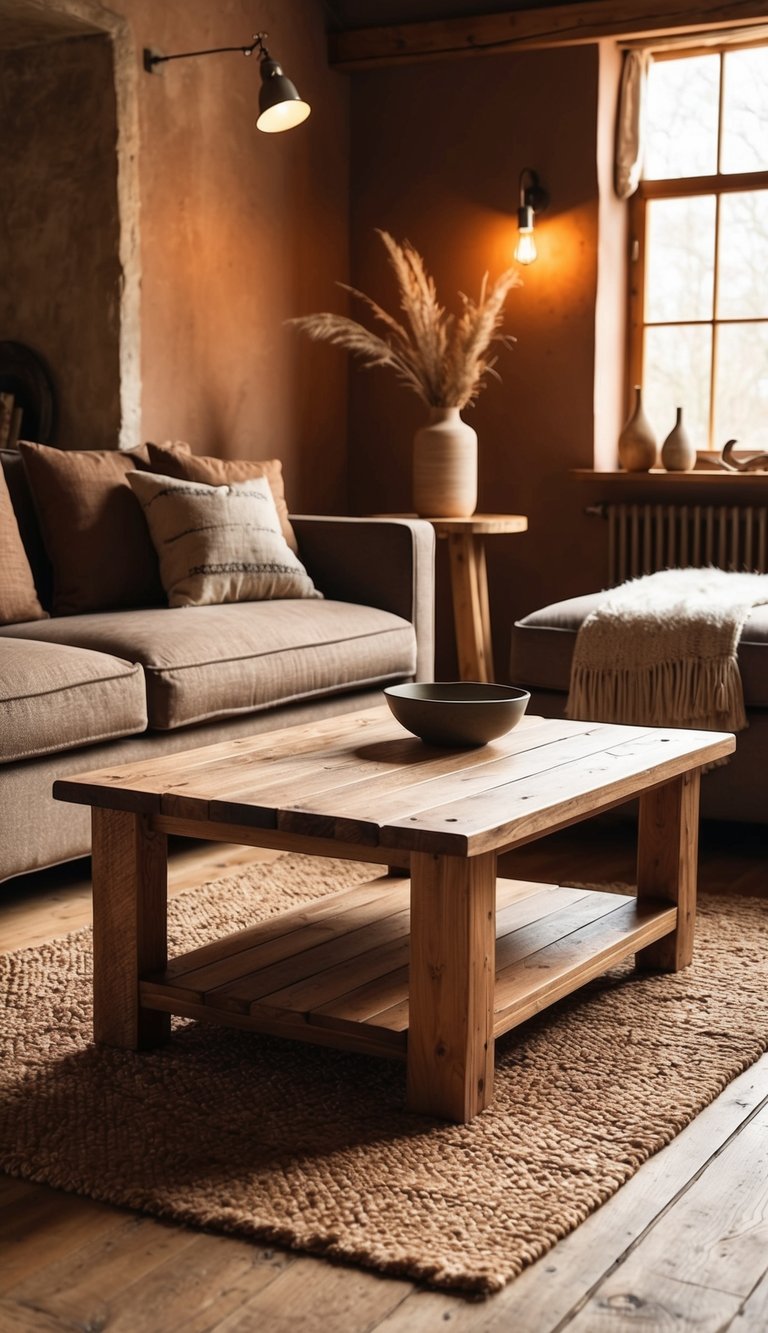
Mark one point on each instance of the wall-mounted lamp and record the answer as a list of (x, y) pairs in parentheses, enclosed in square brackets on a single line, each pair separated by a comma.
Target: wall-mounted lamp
[(533, 198), (280, 106)]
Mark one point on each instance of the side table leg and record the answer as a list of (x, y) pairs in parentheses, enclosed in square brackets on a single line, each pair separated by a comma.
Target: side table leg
[(470, 607), (451, 985), (667, 865), (130, 896), (481, 577)]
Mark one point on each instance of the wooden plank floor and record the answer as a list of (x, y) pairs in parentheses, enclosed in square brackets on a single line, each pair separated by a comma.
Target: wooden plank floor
[(683, 1245)]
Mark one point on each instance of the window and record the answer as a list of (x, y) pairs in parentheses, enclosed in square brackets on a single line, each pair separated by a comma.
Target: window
[(699, 222)]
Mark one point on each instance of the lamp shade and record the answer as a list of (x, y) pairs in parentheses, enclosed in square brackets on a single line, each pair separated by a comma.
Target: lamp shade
[(280, 106)]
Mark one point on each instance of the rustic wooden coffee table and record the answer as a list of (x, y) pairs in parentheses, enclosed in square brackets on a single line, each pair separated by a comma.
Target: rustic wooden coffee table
[(429, 970)]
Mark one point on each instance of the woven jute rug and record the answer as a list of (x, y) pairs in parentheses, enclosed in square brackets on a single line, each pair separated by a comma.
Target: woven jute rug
[(311, 1148)]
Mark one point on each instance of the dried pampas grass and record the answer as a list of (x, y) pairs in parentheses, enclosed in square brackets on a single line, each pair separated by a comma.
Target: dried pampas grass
[(441, 357)]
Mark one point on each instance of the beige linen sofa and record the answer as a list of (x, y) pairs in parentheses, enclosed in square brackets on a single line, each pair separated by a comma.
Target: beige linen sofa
[(83, 690)]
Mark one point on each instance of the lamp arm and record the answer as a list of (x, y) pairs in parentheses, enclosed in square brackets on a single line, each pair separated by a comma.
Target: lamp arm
[(150, 59)]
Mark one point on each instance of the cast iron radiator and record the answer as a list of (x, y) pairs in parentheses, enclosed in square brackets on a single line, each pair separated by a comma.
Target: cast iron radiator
[(643, 538)]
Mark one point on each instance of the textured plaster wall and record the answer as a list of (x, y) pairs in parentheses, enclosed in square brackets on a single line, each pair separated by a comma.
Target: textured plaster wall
[(225, 233), (436, 153), (60, 272), (240, 231)]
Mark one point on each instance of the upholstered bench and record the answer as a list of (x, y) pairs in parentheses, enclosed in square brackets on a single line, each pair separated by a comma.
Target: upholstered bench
[(542, 649)]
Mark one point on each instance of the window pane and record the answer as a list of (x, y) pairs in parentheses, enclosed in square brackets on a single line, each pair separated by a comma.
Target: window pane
[(681, 118), (676, 373), (680, 258), (742, 285), (745, 111), (741, 404)]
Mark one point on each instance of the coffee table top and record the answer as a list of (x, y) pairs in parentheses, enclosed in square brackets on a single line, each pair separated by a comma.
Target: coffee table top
[(361, 779)]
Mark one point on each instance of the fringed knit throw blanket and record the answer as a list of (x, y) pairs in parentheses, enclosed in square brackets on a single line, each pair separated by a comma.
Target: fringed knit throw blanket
[(661, 651)]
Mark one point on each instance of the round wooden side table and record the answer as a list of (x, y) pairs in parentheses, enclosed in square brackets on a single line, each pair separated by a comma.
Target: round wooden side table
[(469, 584)]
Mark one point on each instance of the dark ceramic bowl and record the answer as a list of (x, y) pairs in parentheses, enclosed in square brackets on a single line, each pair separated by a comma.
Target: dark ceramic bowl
[(457, 712)]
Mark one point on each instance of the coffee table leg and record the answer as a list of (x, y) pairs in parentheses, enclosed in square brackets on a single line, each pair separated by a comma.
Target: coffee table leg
[(130, 894), (451, 985), (667, 863)]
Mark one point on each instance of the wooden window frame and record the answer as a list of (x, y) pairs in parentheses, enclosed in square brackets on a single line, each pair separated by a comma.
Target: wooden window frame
[(678, 187)]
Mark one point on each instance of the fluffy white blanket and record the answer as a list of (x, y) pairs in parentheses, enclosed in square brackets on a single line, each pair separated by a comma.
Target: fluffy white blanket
[(661, 651)]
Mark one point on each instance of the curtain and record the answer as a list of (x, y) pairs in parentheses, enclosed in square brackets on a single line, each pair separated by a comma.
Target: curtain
[(629, 123)]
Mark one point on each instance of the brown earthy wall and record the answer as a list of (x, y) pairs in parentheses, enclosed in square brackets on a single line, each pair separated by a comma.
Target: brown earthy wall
[(240, 231), (60, 276), (436, 153)]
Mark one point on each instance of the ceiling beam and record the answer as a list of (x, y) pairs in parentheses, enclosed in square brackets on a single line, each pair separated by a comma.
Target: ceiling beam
[(561, 25)]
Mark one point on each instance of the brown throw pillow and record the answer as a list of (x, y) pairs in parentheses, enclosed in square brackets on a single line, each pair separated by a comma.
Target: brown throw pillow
[(173, 458), (219, 543), (18, 595), (94, 531)]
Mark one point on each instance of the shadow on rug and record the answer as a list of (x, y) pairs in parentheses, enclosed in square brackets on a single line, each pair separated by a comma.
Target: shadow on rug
[(311, 1148)]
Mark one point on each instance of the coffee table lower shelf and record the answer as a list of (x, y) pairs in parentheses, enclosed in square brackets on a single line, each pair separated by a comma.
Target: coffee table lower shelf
[(336, 972)]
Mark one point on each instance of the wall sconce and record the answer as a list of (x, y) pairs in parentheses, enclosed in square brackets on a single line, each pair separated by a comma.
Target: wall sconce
[(280, 106), (533, 198)]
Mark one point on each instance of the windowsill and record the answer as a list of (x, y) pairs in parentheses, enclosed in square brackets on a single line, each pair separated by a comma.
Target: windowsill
[(699, 478)]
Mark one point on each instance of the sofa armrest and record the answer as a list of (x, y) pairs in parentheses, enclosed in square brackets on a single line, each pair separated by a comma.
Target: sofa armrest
[(388, 563)]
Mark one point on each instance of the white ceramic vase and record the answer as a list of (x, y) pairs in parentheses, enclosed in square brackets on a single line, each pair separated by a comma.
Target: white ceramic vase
[(445, 466), (637, 443)]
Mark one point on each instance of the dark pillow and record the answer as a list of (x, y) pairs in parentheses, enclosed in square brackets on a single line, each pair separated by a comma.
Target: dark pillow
[(94, 531), (29, 524), (18, 596)]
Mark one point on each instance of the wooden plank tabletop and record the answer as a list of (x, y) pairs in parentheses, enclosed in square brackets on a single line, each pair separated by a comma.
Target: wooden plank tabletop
[(360, 778)]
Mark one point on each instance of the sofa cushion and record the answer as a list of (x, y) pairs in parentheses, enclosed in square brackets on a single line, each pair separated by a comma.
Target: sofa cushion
[(174, 458), (240, 657), (93, 528), (219, 543), (18, 597), (55, 697), (543, 642)]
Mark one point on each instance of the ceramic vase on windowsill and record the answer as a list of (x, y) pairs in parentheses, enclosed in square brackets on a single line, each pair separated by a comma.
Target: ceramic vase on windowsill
[(637, 442), (445, 466), (678, 452)]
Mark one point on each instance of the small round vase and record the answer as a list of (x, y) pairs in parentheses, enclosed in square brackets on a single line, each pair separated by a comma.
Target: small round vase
[(678, 452), (637, 442), (445, 466)]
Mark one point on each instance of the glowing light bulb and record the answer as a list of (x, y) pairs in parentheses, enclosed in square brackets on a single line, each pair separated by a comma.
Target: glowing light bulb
[(525, 250), (532, 198)]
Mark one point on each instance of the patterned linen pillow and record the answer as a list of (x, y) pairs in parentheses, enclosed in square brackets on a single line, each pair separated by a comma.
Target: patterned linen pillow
[(174, 458), (219, 543), (18, 595)]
